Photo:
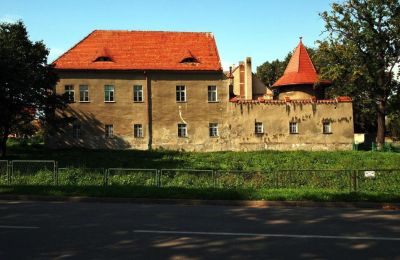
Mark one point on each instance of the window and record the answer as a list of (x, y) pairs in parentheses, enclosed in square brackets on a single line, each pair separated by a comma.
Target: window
[(213, 129), (180, 93), (103, 58), (70, 92), (182, 130), (109, 93), (109, 131), (83, 93), (137, 93), (189, 60), (137, 130), (76, 131), (212, 93), (326, 127), (259, 128), (293, 128)]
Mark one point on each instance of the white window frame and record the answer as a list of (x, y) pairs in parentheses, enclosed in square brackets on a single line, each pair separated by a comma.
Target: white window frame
[(138, 130), (138, 93), (212, 93), (213, 130), (293, 127), (326, 127), (83, 93), (111, 97), (76, 131), (69, 89), (258, 128), (181, 93), (109, 131), (182, 130)]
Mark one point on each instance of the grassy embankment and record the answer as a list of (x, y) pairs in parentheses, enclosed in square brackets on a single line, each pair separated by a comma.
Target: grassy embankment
[(249, 161)]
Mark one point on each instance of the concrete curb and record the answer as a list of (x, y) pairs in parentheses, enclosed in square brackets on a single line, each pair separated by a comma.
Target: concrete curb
[(189, 202)]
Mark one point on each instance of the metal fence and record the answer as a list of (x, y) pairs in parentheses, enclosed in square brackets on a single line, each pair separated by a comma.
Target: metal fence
[(131, 176), (4, 172), (33, 172), (46, 172)]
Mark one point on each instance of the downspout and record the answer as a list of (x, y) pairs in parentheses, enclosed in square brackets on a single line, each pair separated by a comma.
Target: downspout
[(149, 111)]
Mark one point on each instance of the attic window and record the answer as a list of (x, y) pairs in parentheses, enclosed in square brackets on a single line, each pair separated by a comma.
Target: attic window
[(103, 58), (190, 60)]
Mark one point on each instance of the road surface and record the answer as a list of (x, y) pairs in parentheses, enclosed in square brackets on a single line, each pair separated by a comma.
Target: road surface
[(62, 230)]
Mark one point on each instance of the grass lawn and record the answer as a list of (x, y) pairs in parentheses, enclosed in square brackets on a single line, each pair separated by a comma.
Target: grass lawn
[(303, 186), (259, 160)]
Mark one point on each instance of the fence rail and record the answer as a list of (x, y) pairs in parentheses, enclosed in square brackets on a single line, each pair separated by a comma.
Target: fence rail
[(47, 172)]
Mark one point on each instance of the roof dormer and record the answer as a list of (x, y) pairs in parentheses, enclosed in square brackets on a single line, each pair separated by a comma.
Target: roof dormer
[(189, 58), (102, 55)]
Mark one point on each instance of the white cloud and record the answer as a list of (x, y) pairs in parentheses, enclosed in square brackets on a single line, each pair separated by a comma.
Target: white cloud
[(55, 53), (10, 18)]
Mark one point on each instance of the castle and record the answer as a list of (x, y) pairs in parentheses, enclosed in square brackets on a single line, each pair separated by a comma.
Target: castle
[(152, 89)]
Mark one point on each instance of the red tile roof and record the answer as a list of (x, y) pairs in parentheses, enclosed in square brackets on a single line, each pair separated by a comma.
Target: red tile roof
[(300, 70), (142, 50)]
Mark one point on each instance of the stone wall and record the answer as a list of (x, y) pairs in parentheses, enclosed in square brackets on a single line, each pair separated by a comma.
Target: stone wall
[(236, 121)]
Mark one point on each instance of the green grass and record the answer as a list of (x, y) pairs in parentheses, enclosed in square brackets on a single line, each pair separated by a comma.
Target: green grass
[(200, 193), (267, 182), (260, 160)]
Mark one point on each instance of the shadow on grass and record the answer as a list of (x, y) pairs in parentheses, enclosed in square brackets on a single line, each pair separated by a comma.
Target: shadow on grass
[(151, 192)]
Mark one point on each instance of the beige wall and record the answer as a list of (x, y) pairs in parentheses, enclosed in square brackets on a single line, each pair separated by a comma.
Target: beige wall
[(236, 121)]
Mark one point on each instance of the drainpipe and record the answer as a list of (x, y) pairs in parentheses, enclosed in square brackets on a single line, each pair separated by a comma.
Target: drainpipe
[(149, 111)]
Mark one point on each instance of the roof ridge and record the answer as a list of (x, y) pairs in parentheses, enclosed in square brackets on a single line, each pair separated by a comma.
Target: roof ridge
[(161, 31)]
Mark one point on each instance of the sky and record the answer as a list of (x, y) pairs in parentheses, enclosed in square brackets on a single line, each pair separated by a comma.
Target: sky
[(262, 29)]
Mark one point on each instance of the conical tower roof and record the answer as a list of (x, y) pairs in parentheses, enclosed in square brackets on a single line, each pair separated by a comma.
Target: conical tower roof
[(300, 70)]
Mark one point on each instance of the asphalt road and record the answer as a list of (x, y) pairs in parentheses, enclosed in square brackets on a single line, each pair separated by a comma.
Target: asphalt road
[(46, 230)]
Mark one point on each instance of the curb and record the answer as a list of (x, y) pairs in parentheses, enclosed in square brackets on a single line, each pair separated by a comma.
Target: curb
[(189, 202)]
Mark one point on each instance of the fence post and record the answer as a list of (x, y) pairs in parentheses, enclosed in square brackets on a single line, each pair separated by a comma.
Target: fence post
[(158, 178), (55, 173), (354, 180), (105, 172), (8, 170)]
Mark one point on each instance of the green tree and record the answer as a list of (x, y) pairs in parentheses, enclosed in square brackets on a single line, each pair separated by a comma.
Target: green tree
[(370, 29), (26, 82)]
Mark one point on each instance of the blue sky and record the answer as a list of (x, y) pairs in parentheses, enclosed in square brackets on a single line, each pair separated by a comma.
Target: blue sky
[(264, 30)]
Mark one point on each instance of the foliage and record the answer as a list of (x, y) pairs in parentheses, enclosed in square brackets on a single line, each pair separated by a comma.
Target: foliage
[(364, 34), (26, 82)]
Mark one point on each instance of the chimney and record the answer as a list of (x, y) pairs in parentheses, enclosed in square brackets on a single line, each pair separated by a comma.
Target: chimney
[(248, 79)]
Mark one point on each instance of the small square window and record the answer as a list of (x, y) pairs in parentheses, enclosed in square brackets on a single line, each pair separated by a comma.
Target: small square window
[(326, 127), (70, 92), (182, 130), (76, 131), (213, 129), (109, 93), (137, 93), (293, 128), (258, 128), (84, 93), (109, 131), (137, 130), (212, 94), (180, 93)]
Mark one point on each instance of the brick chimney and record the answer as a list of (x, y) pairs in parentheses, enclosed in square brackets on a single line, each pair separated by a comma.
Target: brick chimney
[(248, 79)]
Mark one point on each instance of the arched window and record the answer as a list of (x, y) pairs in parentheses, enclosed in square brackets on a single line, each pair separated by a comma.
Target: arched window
[(102, 58), (189, 60)]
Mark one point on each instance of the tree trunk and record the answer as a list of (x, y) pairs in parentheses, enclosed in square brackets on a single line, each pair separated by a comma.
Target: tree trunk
[(3, 144), (380, 135)]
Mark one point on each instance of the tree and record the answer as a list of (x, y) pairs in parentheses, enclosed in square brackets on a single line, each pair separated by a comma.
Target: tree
[(26, 82), (371, 29)]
